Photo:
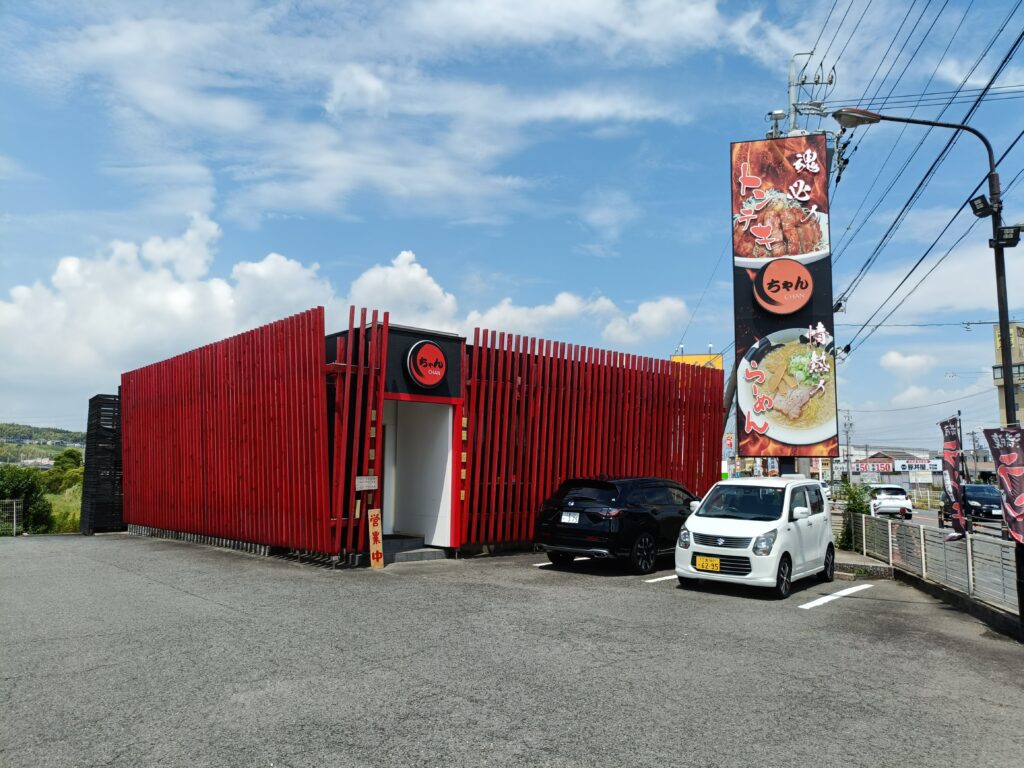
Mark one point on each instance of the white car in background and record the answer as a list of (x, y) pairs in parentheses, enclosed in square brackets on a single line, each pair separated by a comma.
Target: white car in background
[(826, 489), (890, 501), (763, 531)]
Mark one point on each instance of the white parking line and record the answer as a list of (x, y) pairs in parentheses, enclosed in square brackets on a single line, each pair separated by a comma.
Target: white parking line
[(548, 562), (836, 596), (660, 578)]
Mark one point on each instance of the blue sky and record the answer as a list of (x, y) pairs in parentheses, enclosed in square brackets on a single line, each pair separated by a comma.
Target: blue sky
[(172, 173)]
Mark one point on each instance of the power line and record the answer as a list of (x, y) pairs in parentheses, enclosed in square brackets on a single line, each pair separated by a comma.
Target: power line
[(965, 92), (919, 189), (707, 285), (840, 247), (933, 267), (843, 246), (919, 407)]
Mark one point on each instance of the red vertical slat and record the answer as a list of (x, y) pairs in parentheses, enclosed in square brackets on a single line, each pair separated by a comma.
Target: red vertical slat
[(476, 437)]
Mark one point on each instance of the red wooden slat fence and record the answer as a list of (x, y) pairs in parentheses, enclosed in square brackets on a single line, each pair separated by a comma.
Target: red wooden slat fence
[(358, 435), (230, 441), (540, 412)]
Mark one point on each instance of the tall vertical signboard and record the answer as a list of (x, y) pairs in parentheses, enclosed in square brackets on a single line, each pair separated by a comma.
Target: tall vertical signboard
[(952, 462), (1007, 446), (782, 289)]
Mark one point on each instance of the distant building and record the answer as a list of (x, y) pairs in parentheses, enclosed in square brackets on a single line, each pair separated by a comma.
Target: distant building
[(37, 463), (1017, 356)]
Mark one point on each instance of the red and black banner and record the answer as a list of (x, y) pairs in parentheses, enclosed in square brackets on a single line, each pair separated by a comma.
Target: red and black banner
[(952, 482), (782, 290), (1007, 446)]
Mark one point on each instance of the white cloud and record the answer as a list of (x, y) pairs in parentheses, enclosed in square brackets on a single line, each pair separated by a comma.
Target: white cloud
[(189, 255), (906, 365), (607, 212), (12, 170), (651, 320), (408, 291), (536, 320), (963, 285), (132, 304)]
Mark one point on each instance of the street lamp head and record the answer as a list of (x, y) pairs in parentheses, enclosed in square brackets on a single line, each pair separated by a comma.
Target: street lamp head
[(851, 117), (980, 206)]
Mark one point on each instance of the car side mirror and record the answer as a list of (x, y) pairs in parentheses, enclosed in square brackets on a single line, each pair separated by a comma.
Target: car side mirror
[(694, 505), (799, 513)]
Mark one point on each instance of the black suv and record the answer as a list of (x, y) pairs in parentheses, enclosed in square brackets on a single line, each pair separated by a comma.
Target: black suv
[(634, 518), (983, 503)]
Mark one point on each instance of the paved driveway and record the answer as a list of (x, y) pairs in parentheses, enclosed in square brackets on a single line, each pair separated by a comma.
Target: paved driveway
[(120, 651)]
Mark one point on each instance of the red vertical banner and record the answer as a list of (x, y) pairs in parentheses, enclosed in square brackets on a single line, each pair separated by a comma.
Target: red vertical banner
[(1007, 446), (782, 288), (952, 464)]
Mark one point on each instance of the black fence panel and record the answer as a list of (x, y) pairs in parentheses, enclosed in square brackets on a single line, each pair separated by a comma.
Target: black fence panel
[(101, 489)]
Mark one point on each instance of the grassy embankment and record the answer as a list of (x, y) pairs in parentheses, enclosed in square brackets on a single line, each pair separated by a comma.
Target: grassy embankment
[(67, 508)]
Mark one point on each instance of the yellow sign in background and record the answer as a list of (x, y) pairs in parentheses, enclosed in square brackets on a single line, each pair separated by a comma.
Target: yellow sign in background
[(707, 361)]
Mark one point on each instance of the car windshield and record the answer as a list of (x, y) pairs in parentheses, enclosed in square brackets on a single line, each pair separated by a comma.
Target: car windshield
[(898, 492), (583, 490), (743, 502), (987, 493)]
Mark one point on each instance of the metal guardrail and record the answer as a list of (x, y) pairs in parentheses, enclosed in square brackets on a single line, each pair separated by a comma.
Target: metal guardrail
[(981, 567)]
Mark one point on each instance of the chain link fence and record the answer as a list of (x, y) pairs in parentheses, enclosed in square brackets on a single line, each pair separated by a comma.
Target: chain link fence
[(980, 567), (12, 517)]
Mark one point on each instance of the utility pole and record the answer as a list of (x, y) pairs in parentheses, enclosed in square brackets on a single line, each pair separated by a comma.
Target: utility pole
[(974, 446), (848, 428)]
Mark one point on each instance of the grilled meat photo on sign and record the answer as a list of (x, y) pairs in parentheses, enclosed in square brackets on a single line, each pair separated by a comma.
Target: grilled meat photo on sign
[(793, 231), (775, 164)]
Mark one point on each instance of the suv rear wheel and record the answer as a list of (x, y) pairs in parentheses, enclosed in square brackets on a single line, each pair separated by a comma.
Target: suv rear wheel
[(644, 554)]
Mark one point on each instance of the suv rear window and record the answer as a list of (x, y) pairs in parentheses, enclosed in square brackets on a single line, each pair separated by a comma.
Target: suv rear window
[(890, 491), (592, 490)]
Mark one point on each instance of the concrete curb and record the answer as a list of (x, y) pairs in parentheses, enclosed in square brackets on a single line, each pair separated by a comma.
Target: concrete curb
[(872, 571)]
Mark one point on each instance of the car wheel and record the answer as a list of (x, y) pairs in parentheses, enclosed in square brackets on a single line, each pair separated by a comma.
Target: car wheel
[(829, 574), (783, 578), (561, 559), (644, 554)]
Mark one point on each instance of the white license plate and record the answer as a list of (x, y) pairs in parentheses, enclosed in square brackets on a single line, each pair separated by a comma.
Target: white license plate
[(570, 517)]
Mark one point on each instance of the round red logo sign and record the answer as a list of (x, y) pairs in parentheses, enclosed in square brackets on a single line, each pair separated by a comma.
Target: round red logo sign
[(426, 364), (783, 286)]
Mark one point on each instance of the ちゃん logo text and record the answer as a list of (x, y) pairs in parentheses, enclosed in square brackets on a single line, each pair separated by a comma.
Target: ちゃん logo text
[(426, 364)]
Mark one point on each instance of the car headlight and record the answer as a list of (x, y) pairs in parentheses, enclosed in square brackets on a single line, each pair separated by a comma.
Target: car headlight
[(684, 538), (763, 543), (974, 503)]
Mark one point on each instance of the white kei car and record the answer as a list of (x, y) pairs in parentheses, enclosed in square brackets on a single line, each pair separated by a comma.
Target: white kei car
[(764, 531)]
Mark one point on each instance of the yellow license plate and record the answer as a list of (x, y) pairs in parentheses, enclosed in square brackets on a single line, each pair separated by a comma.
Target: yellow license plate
[(708, 563)]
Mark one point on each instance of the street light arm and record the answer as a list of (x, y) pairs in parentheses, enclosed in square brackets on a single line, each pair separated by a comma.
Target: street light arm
[(993, 178)]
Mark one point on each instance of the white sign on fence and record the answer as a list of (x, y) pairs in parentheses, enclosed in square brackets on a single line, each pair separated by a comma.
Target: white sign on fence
[(366, 482)]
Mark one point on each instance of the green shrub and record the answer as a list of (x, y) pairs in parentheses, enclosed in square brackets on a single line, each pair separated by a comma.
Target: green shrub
[(857, 503), (26, 484), (72, 478)]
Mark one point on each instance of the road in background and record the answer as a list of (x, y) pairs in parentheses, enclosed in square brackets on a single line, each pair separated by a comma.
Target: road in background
[(122, 651)]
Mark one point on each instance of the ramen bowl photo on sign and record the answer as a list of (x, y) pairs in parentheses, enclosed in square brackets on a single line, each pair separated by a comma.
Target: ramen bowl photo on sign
[(786, 381)]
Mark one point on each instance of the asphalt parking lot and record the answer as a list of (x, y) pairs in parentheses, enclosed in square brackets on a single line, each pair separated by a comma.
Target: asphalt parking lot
[(122, 651)]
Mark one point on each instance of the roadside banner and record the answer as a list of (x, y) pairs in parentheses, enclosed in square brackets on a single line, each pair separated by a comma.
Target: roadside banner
[(951, 480), (1007, 448), (782, 298)]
